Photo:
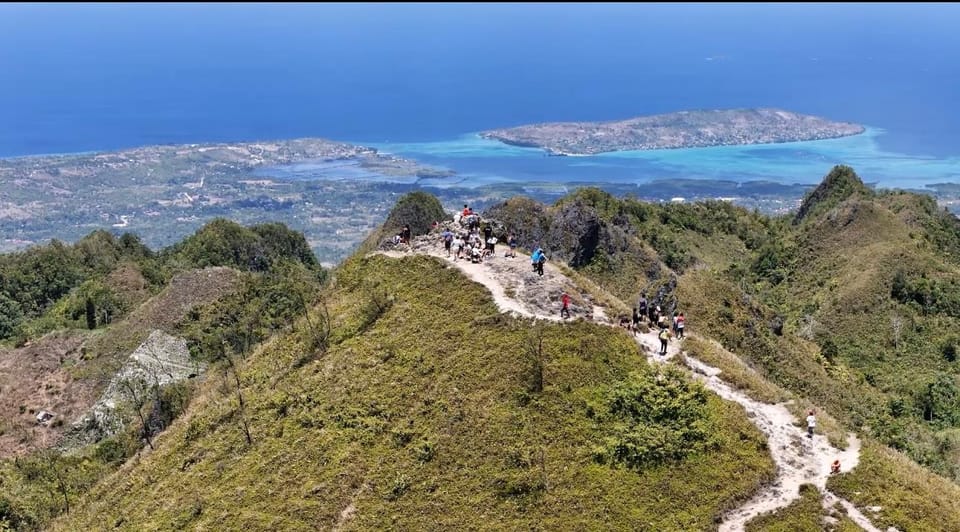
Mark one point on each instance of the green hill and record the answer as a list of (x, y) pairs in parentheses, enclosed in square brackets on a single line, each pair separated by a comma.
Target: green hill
[(394, 393), (428, 409)]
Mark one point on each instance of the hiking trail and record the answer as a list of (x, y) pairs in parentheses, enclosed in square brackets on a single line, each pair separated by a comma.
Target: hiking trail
[(518, 290)]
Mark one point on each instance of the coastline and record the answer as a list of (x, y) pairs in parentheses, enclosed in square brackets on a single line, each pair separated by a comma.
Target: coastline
[(553, 152)]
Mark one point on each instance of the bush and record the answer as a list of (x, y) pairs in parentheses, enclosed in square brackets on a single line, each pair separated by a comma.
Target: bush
[(655, 419), (418, 210)]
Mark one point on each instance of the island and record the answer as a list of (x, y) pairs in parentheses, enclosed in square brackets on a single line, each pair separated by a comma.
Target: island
[(684, 129)]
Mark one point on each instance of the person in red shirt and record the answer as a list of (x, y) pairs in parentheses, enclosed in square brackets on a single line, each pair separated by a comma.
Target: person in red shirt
[(565, 301), (835, 467)]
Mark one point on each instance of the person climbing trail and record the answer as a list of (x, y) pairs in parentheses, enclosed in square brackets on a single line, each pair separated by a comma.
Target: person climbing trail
[(681, 322), (565, 305), (835, 467), (664, 338), (637, 316), (537, 260), (811, 424), (447, 238), (642, 306)]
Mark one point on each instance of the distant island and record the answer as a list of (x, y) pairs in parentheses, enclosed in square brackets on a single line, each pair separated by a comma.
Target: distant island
[(684, 129)]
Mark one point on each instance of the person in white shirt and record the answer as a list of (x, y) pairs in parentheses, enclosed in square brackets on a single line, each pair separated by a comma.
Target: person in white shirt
[(811, 424)]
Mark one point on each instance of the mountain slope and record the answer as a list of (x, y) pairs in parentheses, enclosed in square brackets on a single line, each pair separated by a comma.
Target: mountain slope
[(424, 412)]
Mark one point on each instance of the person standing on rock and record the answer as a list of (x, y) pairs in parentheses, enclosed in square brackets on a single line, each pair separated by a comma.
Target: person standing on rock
[(405, 235), (565, 305), (811, 424), (664, 338)]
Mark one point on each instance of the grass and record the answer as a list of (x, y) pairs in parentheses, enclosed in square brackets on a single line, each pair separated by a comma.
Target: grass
[(910, 497), (614, 306), (424, 418), (734, 371), (804, 514)]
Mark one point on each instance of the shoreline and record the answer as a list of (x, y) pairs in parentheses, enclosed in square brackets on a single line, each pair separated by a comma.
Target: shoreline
[(552, 152)]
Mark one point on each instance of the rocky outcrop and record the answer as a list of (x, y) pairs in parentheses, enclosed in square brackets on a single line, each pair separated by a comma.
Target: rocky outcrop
[(161, 360)]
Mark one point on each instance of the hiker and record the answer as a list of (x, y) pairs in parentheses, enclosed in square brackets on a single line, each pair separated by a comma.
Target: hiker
[(458, 248), (811, 424), (835, 467), (466, 211), (664, 338), (673, 323), (447, 238), (661, 319), (512, 242), (565, 305), (642, 306), (537, 260), (405, 234), (681, 321), (636, 319), (491, 245), (487, 232), (625, 322), (475, 254)]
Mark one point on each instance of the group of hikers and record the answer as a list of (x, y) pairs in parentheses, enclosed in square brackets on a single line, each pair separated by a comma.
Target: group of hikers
[(403, 237), (657, 318), (474, 243)]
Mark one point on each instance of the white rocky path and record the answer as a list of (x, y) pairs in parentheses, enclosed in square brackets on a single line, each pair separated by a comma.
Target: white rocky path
[(800, 460)]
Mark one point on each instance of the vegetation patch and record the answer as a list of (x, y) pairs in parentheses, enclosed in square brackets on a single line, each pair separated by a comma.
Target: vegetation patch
[(652, 419)]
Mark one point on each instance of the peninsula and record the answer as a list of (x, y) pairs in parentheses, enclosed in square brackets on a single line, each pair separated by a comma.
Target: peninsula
[(684, 129)]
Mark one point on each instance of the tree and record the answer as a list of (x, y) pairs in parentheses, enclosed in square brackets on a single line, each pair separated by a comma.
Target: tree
[(896, 322), (10, 316), (91, 314), (136, 391), (418, 210), (534, 354), (232, 368)]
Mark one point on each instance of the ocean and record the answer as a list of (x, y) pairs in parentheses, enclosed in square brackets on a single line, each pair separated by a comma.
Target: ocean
[(420, 80)]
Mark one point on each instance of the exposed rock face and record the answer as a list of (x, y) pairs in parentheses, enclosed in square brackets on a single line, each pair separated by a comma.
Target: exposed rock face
[(161, 360), (525, 218), (685, 129), (574, 234)]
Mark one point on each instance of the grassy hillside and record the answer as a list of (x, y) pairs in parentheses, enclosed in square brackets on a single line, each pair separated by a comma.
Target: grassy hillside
[(255, 279), (428, 409), (851, 304), (394, 395)]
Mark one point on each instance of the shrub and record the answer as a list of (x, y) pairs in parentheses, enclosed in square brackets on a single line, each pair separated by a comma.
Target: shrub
[(654, 419)]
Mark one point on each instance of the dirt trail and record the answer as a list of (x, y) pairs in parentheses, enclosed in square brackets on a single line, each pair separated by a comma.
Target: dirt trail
[(799, 459)]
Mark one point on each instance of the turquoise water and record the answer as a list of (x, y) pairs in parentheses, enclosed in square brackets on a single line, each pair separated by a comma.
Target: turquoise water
[(480, 162)]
